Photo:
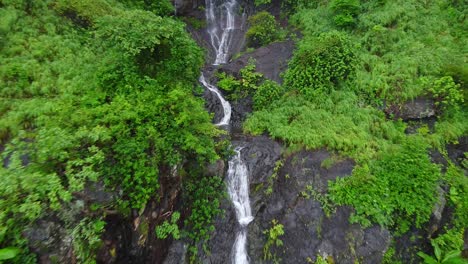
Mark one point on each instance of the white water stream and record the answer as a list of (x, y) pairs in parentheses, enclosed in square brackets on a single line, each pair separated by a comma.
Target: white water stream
[(221, 20), (221, 26), (238, 189), (226, 105)]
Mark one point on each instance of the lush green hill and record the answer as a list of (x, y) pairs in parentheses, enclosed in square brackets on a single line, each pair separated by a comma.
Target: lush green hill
[(93, 91), (356, 65)]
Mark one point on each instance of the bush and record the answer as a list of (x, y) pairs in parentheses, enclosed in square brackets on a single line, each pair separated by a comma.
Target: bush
[(241, 88), (345, 12), (447, 94), (261, 2), (263, 30), (321, 63), (268, 92), (84, 11), (204, 196), (398, 190)]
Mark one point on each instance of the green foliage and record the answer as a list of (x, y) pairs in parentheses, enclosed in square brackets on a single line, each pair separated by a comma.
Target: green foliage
[(447, 94), (458, 195), (158, 7), (451, 257), (266, 93), (88, 94), (384, 192), (161, 46), (345, 12), (195, 22), (450, 240), (399, 42), (204, 196), (87, 239), (399, 50), (9, 253), (261, 2), (240, 88), (295, 5), (273, 240), (331, 120), (166, 229), (325, 201), (263, 30), (274, 176), (321, 63), (84, 12)]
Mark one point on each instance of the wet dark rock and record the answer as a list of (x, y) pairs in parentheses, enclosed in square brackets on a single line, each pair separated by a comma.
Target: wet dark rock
[(223, 237), (437, 211), (260, 154), (240, 110), (415, 124), (213, 105), (96, 192), (48, 238), (418, 108), (216, 169), (456, 151), (184, 7), (177, 253), (308, 230), (271, 60)]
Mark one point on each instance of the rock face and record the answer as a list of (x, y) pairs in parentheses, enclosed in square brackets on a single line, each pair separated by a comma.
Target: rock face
[(260, 154), (419, 108), (308, 231), (185, 6), (49, 240), (270, 60), (281, 193)]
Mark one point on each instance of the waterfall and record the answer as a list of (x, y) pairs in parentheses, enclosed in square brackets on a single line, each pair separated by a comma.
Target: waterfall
[(226, 105), (238, 189), (221, 22), (221, 26)]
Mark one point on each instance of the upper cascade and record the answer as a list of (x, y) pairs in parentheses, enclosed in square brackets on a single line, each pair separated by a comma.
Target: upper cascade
[(221, 19)]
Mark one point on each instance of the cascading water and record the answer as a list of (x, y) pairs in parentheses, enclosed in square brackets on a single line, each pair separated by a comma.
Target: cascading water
[(226, 105), (221, 20), (238, 189), (221, 26)]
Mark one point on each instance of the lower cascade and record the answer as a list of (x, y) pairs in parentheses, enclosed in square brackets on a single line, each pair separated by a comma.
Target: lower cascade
[(238, 189)]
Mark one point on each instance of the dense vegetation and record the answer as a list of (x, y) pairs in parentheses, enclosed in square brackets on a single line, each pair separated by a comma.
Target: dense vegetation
[(356, 65), (95, 91), (101, 93)]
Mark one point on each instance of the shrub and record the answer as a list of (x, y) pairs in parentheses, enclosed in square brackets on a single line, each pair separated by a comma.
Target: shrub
[(345, 12), (273, 239), (204, 196), (261, 2), (169, 228), (246, 85), (84, 11), (398, 190), (447, 94), (268, 92), (321, 63), (263, 30)]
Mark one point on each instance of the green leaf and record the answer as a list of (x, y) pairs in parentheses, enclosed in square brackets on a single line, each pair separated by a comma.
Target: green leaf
[(437, 251), (451, 256), (9, 253), (427, 259)]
